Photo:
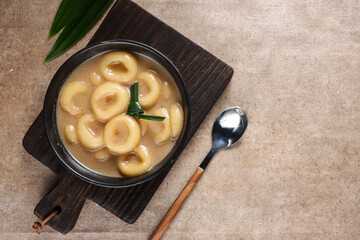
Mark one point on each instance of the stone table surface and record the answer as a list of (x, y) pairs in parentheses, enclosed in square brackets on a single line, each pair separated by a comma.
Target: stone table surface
[(296, 172)]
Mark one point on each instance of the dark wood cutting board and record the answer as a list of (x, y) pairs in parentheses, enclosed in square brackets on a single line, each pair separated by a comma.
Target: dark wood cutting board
[(206, 77)]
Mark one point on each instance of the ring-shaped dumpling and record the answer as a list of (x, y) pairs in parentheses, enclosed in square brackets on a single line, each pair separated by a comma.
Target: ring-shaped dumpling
[(102, 155), (153, 85), (71, 135), (166, 90), (105, 92), (114, 130), (118, 66), (165, 133), (95, 79), (176, 120), (67, 96), (134, 168), (92, 139), (144, 125)]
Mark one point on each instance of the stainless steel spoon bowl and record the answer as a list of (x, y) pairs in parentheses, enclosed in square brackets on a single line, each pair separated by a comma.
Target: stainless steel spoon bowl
[(228, 128)]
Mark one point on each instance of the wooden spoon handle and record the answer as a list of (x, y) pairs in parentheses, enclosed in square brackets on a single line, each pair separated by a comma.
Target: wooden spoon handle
[(165, 223)]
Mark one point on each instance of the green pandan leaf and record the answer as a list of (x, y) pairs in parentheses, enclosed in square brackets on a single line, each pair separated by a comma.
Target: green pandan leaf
[(134, 108), (149, 117), (68, 12), (76, 18)]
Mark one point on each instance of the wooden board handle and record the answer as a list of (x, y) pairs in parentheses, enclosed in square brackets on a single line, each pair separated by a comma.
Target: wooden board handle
[(170, 215), (67, 197)]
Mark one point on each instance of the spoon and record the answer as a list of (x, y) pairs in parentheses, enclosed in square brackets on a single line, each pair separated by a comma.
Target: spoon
[(228, 128)]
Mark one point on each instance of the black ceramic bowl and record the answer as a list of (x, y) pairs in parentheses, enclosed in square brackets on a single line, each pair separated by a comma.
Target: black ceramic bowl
[(50, 113)]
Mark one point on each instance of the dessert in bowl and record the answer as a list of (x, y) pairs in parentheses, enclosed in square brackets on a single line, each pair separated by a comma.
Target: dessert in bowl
[(89, 119)]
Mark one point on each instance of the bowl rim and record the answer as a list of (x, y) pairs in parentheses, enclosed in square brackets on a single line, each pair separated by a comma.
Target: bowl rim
[(185, 98)]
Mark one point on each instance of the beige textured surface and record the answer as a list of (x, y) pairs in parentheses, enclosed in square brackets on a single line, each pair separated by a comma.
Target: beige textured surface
[(296, 173)]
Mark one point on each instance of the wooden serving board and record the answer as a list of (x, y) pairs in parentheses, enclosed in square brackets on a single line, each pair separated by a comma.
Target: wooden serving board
[(205, 76)]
